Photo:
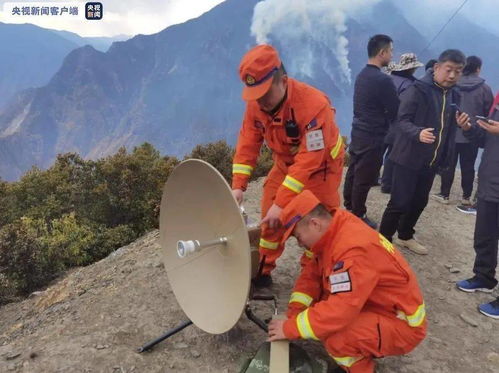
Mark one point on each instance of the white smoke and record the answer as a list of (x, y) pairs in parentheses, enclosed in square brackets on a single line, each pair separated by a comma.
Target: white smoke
[(305, 23)]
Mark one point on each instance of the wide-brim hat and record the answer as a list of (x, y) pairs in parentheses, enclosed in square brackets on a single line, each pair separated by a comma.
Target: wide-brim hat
[(407, 61)]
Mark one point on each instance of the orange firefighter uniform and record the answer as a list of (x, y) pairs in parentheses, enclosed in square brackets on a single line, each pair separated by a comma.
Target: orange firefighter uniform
[(358, 295), (306, 145)]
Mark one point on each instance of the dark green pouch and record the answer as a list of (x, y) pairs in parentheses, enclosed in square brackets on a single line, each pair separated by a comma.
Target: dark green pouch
[(300, 361)]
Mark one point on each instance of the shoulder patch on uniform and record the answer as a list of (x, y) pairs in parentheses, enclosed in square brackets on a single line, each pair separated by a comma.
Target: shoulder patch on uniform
[(315, 140), (340, 282), (338, 265), (311, 125)]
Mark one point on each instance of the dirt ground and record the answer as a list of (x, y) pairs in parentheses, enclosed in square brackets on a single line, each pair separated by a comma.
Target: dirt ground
[(94, 318)]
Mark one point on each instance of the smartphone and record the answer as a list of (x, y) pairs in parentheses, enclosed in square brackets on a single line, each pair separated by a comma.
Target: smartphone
[(485, 119), (456, 107)]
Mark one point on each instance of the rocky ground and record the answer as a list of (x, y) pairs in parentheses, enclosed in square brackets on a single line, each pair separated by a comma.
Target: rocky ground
[(93, 319)]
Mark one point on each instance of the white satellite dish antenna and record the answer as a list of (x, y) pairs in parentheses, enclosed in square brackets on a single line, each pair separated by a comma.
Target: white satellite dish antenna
[(207, 255)]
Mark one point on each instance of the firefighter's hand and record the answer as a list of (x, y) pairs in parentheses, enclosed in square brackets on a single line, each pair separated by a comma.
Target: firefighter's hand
[(276, 330), (491, 126), (463, 121), (272, 217), (426, 136), (238, 195)]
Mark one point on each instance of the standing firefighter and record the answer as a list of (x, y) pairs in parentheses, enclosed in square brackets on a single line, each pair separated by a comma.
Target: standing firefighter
[(358, 295), (297, 123)]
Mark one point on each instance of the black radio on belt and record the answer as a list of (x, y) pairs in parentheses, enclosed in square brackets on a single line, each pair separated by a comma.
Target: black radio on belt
[(292, 129)]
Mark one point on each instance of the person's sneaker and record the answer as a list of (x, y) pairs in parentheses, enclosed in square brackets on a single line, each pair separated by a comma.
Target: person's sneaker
[(440, 198), (467, 209), (369, 222), (412, 245), (466, 202), (473, 284), (490, 309), (264, 281)]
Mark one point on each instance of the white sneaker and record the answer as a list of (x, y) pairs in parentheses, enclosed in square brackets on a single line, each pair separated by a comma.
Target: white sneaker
[(412, 245), (466, 202), (440, 198)]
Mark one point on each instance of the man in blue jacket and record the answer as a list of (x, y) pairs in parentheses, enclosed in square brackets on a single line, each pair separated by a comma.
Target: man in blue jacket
[(425, 132), (486, 135)]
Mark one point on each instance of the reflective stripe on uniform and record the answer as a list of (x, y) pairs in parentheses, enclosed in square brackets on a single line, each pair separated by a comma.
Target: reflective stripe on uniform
[(337, 147), (238, 168), (301, 298), (268, 244), (386, 244), (416, 319), (293, 184), (303, 324), (346, 361), (309, 254)]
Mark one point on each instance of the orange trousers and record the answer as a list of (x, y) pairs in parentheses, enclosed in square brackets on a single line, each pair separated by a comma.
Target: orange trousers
[(324, 184), (370, 336)]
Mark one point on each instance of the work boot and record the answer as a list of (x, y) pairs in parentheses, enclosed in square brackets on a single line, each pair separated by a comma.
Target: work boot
[(263, 281), (440, 198), (412, 245)]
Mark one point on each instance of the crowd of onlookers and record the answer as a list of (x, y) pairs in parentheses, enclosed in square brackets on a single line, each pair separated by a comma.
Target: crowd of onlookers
[(420, 128)]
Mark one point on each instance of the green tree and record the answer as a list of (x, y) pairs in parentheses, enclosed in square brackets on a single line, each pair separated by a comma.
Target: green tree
[(219, 154)]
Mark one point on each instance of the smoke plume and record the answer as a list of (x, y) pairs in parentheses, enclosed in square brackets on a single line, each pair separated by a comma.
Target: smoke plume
[(306, 24)]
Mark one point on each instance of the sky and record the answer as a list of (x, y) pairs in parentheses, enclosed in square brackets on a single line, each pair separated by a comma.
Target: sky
[(120, 17), (131, 17), (431, 15)]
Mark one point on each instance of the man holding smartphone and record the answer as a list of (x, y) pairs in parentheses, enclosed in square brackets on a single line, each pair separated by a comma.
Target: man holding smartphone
[(476, 100), (426, 126), (485, 242)]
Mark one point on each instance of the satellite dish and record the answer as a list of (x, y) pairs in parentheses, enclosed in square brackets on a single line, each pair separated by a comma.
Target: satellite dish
[(206, 247)]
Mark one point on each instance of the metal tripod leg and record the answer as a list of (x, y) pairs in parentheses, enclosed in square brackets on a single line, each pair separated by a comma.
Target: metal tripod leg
[(249, 313), (168, 334)]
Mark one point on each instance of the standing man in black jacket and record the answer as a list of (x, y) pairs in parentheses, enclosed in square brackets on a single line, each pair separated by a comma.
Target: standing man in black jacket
[(476, 99), (375, 105), (486, 135), (426, 127)]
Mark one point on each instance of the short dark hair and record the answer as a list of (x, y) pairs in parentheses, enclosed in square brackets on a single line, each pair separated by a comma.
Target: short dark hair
[(377, 43), (319, 211), (473, 63), (279, 73), (430, 64), (452, 55)]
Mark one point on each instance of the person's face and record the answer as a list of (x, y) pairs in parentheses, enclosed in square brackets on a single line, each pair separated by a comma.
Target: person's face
[(308, 231), (274, 95), (386, 55), (447, 74)]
